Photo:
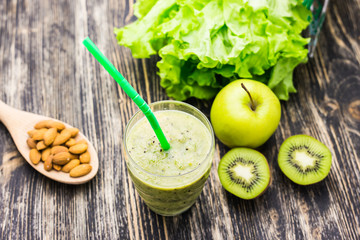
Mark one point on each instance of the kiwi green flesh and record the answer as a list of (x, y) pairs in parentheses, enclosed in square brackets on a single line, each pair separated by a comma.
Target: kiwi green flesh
[(304, 159), (244, 172)]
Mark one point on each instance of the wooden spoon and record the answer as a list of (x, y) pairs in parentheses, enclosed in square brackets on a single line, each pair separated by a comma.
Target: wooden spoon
[(19, 123)]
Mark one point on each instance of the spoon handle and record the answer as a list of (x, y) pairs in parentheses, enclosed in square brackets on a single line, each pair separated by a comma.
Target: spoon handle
[(13, 118)]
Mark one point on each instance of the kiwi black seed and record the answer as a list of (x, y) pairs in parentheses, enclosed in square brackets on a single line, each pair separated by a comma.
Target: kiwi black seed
[(244, 172), (304, 160)]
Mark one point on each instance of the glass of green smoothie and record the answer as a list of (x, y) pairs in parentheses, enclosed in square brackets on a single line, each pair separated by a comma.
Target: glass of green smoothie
[(169, 181)]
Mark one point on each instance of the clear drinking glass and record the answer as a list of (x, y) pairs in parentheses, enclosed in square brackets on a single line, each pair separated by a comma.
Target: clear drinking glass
[(318, 9), (170, 195)]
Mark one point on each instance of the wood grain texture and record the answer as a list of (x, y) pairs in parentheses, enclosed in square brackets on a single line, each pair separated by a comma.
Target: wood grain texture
[(45, 69)]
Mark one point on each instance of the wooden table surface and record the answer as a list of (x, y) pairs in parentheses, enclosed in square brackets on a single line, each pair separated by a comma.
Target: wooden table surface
[(45, 69)]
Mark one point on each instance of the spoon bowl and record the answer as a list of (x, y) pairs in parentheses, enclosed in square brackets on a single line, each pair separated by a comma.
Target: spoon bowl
[(20, 122)]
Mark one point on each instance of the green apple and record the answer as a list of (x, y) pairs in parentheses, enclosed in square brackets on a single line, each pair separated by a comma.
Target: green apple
[(245, 113)]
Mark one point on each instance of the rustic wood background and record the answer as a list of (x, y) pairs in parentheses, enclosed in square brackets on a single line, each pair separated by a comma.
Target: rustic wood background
[(45, 69)]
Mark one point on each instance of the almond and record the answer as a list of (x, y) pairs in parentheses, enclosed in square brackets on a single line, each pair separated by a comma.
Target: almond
[(45, 154), (35, 156), (49, 124), (39, 134), (74, 156), (85, 157), (49, 136), (32, 132), (74, 131), (41, 145), (56, 167), (42, 124), (61, 158), (48, 163), (81, 141), (58, 125), (62, 137), (71, 142), (78, 148), (31, 143), (70, 165), (54, 124), (58, 149), (80, 170)]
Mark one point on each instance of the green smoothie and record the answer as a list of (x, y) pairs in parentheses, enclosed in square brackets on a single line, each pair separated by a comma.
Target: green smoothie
[(170, 181)]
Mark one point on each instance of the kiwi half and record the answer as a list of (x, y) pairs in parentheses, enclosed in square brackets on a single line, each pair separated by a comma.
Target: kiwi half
[(244, 172), (304, 159)]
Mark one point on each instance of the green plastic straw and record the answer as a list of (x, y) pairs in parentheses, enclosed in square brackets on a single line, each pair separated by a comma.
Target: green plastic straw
[(129, 90)]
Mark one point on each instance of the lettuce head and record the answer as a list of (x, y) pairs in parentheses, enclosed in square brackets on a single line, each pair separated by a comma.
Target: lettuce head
[(205, 44)]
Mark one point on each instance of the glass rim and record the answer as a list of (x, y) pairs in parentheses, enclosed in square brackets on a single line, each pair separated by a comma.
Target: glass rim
[(180, 103)]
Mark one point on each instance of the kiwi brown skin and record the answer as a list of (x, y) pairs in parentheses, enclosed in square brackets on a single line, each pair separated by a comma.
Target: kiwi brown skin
[(248, 157), (311, 167), (270, 182)]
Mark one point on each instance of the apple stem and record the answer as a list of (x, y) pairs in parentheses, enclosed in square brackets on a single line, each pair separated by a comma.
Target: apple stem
[(252, 102)]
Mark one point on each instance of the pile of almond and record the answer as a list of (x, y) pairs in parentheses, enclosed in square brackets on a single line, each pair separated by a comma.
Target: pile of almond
[(56, 146)]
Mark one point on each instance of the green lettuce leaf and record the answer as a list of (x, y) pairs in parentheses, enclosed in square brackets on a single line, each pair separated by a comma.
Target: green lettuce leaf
[(205, 44)]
